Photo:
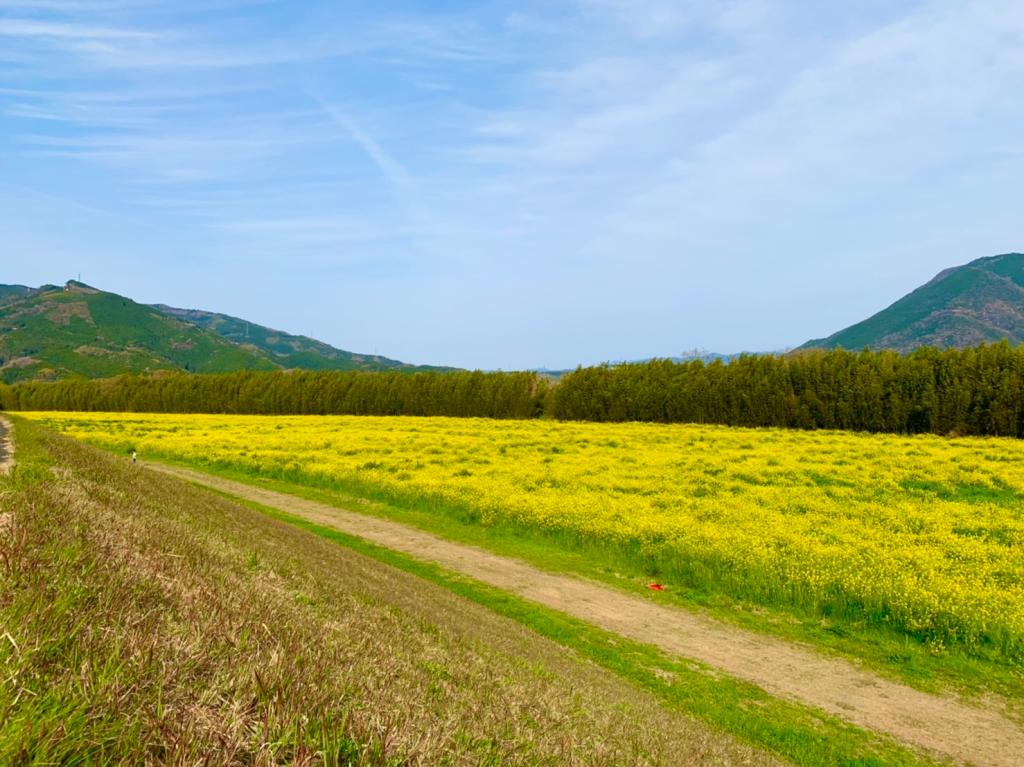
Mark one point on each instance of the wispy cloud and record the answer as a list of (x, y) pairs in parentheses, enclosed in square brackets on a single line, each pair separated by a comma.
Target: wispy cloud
[(68, 30), (647, 18), (392, 170), (404, 188), (315, 230), (189, 46)]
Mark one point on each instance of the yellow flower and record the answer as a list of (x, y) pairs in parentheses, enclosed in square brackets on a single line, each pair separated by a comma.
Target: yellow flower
[(921, 533)]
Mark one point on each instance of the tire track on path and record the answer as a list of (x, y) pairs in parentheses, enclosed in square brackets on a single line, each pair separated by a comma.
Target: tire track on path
[(942, 725), (6, 446)]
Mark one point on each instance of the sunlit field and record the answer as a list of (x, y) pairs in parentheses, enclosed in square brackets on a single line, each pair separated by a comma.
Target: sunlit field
[(923, 534)]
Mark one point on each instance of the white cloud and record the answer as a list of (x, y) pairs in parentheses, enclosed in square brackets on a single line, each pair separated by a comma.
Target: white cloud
[(314, 230), (67, 30), (647, 18)]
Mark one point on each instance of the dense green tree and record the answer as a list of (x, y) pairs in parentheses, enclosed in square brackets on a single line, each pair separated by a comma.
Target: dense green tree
[(488, 395), (971, 391)]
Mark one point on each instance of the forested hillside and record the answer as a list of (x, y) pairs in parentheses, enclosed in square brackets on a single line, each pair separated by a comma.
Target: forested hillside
[(10, 293), (52, 333), (971, 391), (979, 302)]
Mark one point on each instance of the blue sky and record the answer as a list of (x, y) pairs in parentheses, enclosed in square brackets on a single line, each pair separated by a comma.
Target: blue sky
[(512, 184)]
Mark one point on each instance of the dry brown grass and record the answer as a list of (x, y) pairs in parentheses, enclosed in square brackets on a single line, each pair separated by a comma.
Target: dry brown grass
[(146, 621)]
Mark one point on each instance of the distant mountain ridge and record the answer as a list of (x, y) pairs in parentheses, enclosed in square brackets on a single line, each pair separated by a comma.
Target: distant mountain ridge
[(978, 302), (53, 332), (56, 332), (10, 293)]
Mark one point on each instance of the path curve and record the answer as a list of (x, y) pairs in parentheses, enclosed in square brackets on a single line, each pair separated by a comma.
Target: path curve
[(942, 725)]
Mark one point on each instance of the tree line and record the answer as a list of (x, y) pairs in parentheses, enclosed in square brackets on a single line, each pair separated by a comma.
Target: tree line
[(485, 395), (978, 391)]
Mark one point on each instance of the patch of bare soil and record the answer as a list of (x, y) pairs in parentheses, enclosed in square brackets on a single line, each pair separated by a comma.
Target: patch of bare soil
[(968, 733), (19, 362), (62, 313)]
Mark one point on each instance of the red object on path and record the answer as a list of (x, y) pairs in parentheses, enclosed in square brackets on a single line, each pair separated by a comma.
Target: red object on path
[(655, 587)]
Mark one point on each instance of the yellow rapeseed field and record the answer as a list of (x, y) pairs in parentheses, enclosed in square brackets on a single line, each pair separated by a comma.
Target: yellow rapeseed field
[(923, 533)]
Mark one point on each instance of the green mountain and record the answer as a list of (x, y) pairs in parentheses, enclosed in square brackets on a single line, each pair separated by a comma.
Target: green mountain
[(979, 302), (56, 332), (76, 330), (286, 350), (9, 293)]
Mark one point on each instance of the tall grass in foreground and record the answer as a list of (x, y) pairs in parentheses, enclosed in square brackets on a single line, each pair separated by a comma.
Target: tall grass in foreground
[(143, 621)]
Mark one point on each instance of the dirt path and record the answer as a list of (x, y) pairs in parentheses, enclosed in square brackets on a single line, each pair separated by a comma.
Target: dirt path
[(6, 446), (942, 725)]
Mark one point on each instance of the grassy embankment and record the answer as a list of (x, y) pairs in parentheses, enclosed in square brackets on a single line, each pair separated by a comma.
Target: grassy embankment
[(147, 620)]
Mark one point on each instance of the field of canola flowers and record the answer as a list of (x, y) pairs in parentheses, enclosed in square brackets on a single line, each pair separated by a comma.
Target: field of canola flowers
[(923, 533)]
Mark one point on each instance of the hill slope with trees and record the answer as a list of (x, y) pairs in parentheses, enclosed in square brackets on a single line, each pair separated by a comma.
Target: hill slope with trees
[(979, 302), (53, 332)]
